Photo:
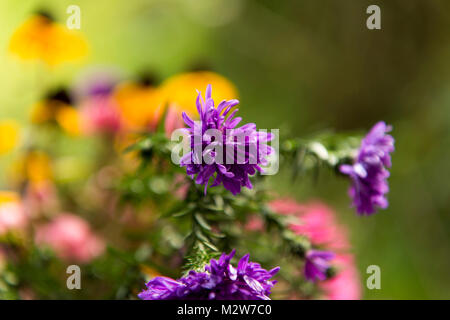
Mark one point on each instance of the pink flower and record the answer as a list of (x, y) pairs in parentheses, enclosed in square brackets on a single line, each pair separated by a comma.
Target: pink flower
[(346, 284), (101, 115), (173, 121), (71, 238), (180, 186), (286, 206), (12, 217), (318, 222), (40, 197), (254, 223)]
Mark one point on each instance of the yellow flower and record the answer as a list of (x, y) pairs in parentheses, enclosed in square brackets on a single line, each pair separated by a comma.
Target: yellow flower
[(57, 108), (180, 90), (33, 167), (8, 197), (45, 111), (140, 105), (9, 135), (68, 119), (41, 38)]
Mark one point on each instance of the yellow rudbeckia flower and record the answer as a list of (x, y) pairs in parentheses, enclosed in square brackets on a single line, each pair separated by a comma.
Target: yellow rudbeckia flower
[(140, 105), (46, 110), (180, 90), (34, 167), (8, 197), (40, 37), (69, 120), (57, 108), (9, 135)]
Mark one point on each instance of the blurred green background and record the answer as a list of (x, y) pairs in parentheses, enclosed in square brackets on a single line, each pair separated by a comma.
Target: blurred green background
[(301, 66)]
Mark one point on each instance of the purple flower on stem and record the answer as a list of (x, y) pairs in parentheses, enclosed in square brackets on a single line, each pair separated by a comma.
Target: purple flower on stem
[(369, 173), (219, 281), (216, 135), (317, 264)]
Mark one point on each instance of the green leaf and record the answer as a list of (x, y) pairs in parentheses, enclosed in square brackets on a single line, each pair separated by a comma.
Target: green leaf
[(202, 222)]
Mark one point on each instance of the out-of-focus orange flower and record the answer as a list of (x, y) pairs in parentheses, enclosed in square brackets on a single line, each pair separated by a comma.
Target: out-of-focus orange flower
[(34, 167), (9, 135), (57, 108), (43, 111), (68, 119), (8, 196), (140, 105), (179, 91), (41, 38)]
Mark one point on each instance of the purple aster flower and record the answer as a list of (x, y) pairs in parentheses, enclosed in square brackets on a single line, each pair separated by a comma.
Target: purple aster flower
[(317, 264), (369, 173), (219, 281), (216, 135)]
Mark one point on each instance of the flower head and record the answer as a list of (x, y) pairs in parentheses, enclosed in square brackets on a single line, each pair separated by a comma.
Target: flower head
[(368, 172), (9, 135), (219, 281), (178, 91), (140, 105), (317, 264), (12, 213), (57, 108), (93, 91), (40, 37), (71, 238), (345, 285), (216, 134), (319, 223), (100, 115)]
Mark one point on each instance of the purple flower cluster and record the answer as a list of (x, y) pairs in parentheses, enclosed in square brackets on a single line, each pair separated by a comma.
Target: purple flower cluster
[(244, 147), (317, 264), (369, 173), (220, 281)]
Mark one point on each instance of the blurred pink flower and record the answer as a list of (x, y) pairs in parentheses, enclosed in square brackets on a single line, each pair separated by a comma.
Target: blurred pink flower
[(71, 238), (181, 186), (173, 121), (40, 197), (254, 223), (12, 217), (100, 115), (318, 222), (286, 206), (346, 284)]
